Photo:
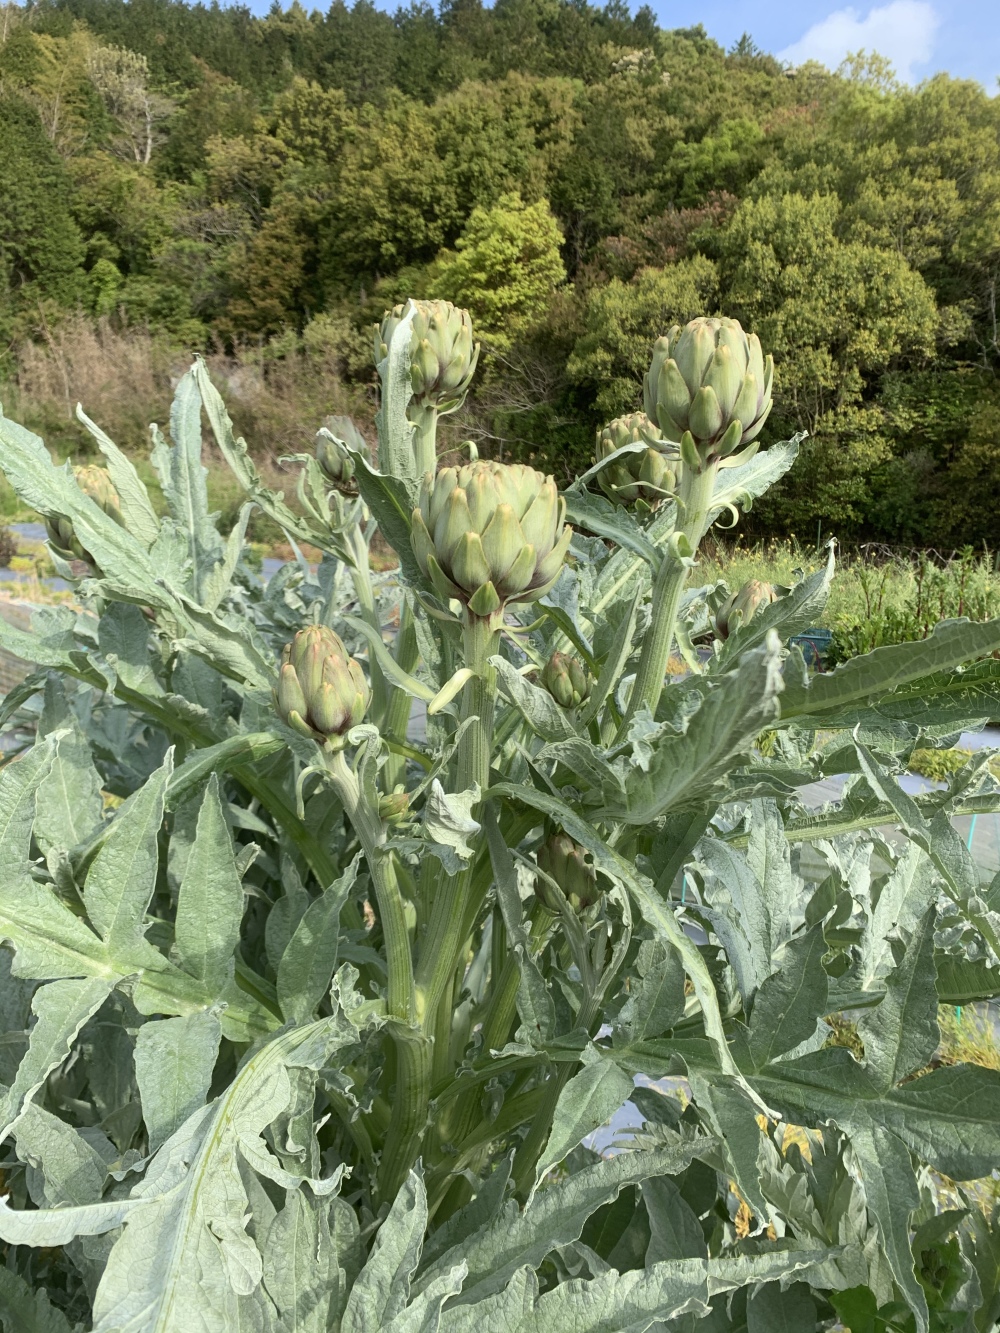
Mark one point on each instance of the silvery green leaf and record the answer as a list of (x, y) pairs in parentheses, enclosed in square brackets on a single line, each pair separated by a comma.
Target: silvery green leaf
[(535, 1006), (449, 825), (310, 957), (189, 1213), (656, 994), (49, 1227), (686, 768), (515, 1239), (614, 663), (61, 1009), (901, 1034), (598, 515), (301, 1270), (382, 1289), (122, 876), (771, 1310), (791, 1001), (505, 879), (887, 669), (137, 511), (71, 1169), (589, 1100), (247, 748), (536, 705), (210, 901), (740, 485), (68, 803), (26, 1309), (892, 1196), (395, 431), (423, 1315), (123, 636), (174, 1060), (484, 1209), (216, 583), (675, 1232), (18, 787), (49, 940)]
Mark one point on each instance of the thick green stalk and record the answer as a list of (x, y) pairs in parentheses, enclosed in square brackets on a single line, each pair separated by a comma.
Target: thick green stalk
[(397, 713), (413, 1050), (445, 931), (668, 587), (425, 421)]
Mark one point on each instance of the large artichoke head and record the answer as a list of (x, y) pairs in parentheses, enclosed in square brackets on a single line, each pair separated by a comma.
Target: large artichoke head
[(322, 691), (567, 680), (490, 533), (711, 380), (566, 862), (97, 484), (442, 354), (741, 606), (640, 478)]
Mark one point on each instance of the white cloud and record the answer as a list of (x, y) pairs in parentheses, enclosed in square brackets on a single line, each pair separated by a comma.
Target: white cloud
[(902, 31)]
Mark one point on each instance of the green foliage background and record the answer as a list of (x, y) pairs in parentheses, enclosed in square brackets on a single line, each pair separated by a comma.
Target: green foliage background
[(578, 177)]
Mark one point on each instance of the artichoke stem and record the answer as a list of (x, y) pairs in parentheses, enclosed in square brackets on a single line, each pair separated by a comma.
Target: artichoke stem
[(397, 713), (668, 586), (425, 421)]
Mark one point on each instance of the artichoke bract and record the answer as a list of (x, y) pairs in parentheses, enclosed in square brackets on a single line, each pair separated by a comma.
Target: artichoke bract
[(567, 680), (322, 691), (711, 380), (566, 862), (741, 606), (95, 482), (337, 435), (488, 534), (643, 478), (443, 356)]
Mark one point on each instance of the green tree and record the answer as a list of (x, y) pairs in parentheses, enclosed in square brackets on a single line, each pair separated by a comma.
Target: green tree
[(41, 249), (624, 319), (505, 266)]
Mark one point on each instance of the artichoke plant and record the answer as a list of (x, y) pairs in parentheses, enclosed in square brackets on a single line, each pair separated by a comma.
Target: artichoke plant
[(490, 533), (636, 478), (567, 680), (443, 356), (741, 606), (95, 482), (711, 381), (565, 861), (322, 691)]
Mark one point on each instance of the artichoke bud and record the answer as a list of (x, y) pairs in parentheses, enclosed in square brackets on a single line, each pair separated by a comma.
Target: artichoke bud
[(741, 606), (443, 356), (709, 379), (322, 691), (643, 479), (567, 680), (566, 862), (394, 806), (334, 441), (488, 534), (96, 483)]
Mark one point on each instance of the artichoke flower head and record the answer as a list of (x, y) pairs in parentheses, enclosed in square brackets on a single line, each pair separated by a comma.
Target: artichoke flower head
[(642, 478), (96, 483), (741, 606), (443, 355), (567, 680), (711, 382), (490, 533), (322, 691), (567, 863)]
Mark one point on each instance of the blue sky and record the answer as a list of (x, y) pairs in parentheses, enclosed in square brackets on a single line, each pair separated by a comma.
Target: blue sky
[(919, 36)]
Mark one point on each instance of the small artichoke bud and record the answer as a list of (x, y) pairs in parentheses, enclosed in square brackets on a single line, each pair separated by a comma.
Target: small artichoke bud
[(488, 534), (567, 680), (443, 356), (711, 381), (566, 862), (336, 436), (322, 691), (741, 606), (97, 484), (393, 807), (639, 478)]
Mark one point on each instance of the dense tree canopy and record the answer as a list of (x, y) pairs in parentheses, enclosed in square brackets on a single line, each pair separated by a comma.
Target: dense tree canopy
[(579, 177)]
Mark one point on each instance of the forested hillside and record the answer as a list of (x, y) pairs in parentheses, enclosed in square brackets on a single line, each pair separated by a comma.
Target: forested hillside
[(579, 178)]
